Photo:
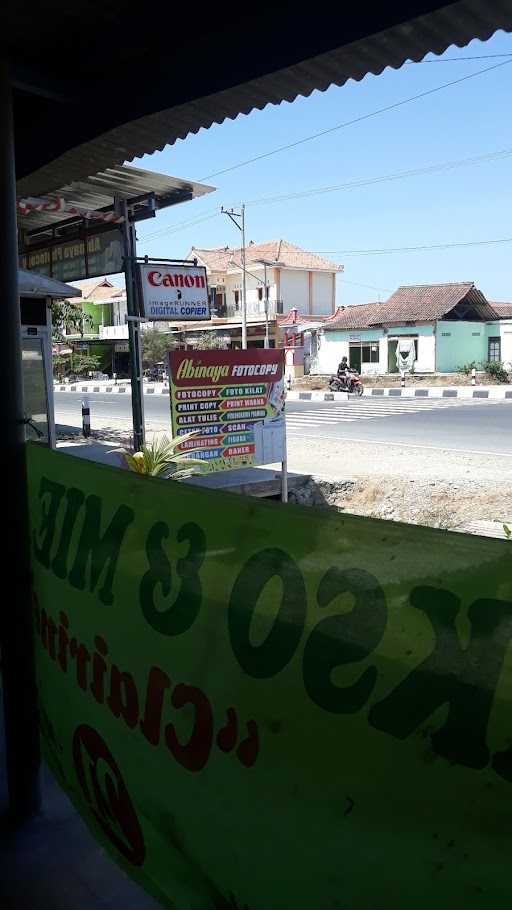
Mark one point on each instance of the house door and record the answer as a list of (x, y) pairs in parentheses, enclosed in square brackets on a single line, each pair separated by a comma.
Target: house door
[(354, 357), (392, 364)]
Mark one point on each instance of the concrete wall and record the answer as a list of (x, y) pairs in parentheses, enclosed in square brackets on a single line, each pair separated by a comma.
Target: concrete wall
[(506, 342), (335, 345), (458, 343), (443, 348), (295, 290), (322, 296), (119, 311), (426, 346), (254, 305), (331, 347), (426, 362), (292, 286), (99, 313)]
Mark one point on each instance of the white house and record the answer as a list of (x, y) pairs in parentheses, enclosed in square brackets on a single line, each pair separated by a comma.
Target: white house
[(504, 311), (450, 325), (295, 279)]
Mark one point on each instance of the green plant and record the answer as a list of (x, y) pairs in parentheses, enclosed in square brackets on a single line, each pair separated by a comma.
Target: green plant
[(467, 368), (61, 363), (68, 317), (209, 341), (155, 346), (496, 369), (85, 363), (508, 532), (161, 458)]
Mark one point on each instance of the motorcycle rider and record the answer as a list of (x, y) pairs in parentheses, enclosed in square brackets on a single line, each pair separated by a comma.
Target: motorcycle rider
[(344, 371)]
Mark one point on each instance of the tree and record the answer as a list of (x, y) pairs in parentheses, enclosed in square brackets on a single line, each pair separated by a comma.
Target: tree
[(85, 363), (209, 341), (70, 317), (155, 346), (61, 364)]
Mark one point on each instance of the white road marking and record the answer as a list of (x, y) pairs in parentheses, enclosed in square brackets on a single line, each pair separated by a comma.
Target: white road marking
[(368, 410)]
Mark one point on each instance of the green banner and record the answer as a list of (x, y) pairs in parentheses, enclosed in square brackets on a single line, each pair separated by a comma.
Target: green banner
[(260, 706)]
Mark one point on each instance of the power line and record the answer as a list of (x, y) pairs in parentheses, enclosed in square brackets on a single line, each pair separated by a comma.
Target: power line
[(181, 225), (399, 175), (270, 200), (363, 117), (353, 184), (409, 249), (457, 59), (371, 287)]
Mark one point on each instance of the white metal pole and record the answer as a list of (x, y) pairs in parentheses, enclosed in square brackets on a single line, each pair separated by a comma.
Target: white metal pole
[(244, 285), (284, 479)]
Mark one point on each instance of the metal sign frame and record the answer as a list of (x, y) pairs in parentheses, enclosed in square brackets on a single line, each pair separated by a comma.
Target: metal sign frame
[(150, 260)]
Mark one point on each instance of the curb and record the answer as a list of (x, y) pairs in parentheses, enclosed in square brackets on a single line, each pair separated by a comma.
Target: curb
[(317, 396), (156, 389), (492, 392)]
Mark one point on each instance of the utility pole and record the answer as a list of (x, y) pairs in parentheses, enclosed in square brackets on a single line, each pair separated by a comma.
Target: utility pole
[(241, 227), (273, 263)]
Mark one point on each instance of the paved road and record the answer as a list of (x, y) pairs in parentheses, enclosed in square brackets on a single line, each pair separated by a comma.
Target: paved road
[(471, 425)]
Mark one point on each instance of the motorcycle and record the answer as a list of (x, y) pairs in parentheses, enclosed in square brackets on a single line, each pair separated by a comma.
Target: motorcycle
[(350, 383)]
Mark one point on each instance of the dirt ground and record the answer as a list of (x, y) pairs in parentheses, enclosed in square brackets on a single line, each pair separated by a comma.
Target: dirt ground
[(436, 503), (415, 484), (393, 379), (437, 488)]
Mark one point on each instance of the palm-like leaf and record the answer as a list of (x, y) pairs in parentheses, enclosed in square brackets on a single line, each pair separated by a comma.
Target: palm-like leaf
[(161, 458)]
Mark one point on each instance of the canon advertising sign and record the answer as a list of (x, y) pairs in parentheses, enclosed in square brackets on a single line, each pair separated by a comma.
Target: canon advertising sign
[(174, 291)]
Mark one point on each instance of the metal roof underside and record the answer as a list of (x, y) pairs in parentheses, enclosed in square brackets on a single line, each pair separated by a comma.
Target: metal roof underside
[(98, 191), (190, 86), (31, 284)]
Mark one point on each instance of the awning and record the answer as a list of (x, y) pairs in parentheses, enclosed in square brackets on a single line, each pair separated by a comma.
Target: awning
[(31, 284), (128, 183), (127, 86)]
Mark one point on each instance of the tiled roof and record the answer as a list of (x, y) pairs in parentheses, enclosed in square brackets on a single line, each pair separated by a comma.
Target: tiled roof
[(294, 318), (286, 254), (354, 317), (104, 295), (88, 286), (429, 302), (504, 310), (99, 290)]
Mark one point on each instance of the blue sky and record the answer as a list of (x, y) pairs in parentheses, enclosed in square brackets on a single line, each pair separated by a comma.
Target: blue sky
[(465, 204)]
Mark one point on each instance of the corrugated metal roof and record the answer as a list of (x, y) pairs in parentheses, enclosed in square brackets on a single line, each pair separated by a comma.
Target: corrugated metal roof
[(453, 24), (31, 284), (97, 192)]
